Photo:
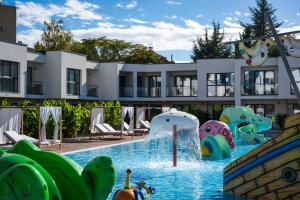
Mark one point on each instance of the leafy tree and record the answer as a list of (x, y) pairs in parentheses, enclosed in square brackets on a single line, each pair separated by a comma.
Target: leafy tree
[(211, 46), (54, 37), (141, 55), (258, 25)]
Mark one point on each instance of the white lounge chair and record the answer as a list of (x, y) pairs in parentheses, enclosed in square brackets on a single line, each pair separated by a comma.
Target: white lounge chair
[(106, 131), (14, 137), (135, 130), (145, 124), (126, 132)]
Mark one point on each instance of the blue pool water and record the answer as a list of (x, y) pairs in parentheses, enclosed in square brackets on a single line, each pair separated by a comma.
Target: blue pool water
[(192, 179)]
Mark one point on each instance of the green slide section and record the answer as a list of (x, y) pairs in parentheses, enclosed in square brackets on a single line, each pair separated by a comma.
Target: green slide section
[(235, 117), (23, 182), (225, 148), (249, 134), (100, 176), (32, 178), (63, 178), (215, 147)]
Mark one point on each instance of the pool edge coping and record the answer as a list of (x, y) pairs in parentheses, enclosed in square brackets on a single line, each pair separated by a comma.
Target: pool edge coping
[(102, 147)]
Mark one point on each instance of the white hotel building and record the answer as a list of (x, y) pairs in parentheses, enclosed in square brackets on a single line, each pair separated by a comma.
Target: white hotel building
[(208, 84), (62, 75)]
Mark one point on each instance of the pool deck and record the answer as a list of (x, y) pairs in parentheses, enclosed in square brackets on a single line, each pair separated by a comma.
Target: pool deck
[(81, 143)]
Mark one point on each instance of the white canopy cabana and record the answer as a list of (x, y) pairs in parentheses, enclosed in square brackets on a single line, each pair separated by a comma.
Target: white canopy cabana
[(130, 112), (10, 120), (97, 117), (45, 113)]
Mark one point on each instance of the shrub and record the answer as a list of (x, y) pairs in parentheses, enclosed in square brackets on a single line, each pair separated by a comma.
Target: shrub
[(30, 119), (280, 120), (112, 113)]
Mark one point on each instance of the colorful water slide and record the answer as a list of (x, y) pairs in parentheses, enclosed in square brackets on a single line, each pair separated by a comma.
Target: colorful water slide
[(245, 124), (50, 175), (270, 171)]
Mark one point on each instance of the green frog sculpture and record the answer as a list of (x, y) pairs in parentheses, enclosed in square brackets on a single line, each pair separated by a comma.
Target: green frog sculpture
[(26, 172)]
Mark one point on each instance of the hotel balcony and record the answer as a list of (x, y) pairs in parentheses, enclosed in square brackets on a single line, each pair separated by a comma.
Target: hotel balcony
[(92, 90), (148, 84), (182, 91), (259, 89), (35, 87), (126, 84), (148, 92), (126, 91)]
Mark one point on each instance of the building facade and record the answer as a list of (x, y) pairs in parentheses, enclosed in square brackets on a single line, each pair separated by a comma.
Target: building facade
[(209, 85), (7, 22)]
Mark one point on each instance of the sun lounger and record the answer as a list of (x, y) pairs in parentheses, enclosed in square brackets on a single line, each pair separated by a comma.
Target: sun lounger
[(14, 137), (106, 131), (135, 130), (145, 124)]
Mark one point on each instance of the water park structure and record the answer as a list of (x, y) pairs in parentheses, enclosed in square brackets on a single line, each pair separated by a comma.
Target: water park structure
[(229, 156)]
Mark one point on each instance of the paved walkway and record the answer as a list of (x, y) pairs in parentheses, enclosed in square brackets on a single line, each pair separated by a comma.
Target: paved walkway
[(86, 143)]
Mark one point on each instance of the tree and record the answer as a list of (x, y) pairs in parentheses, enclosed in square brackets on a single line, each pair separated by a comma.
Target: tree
[(54, 37), (211, 47), (114, 50), (258, 25)]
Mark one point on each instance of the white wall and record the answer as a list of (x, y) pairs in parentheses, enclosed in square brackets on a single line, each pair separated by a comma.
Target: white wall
[(15, 53)]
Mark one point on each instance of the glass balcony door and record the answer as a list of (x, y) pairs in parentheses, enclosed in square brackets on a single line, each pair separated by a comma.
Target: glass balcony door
[(259, 82)]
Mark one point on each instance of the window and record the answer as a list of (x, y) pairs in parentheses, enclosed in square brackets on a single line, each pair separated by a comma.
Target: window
[(8, 76), (267, 110), (220, 85), (154, 86), (73, 81), (259, 82), (296, 73), (186, 85)]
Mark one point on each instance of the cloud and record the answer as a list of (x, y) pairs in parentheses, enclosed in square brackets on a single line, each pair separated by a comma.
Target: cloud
[(129, 5), (174, 3), (171, 16), (199, 16), (238, 13), (298, 14), (134, 20), (31, 13), (231, 24), (30, 36)]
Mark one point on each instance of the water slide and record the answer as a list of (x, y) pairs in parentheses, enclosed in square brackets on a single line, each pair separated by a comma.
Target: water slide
[(245, 124), (49, 175)]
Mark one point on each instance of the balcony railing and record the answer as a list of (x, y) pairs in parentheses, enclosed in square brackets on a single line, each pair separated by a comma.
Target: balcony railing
[(35, 87), (259, 89), (148, 92), (92, 91), (182, 91), (126, 92)]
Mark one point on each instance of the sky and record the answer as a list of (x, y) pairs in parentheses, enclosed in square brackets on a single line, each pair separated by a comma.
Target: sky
[(169, 26)]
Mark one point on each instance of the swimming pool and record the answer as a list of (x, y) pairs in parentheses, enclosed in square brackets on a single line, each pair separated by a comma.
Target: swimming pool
[(193, 179)]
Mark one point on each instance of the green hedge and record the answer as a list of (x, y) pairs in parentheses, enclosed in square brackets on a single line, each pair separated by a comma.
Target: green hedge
[(76, 117)]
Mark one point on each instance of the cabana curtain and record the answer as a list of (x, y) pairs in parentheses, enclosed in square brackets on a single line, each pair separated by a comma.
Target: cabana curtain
[(97, 117), (10, 120), (44, 115), (130, 111), (56, 113), (140, 116)]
